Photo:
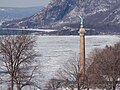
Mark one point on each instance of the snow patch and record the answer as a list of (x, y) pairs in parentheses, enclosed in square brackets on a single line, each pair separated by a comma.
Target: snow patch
[(1, 22), (1, 9)]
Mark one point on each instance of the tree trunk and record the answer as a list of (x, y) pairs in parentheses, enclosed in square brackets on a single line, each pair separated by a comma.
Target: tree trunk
[(78, 85), (12, 83), (12, 75), (18, 86), (114, 84)]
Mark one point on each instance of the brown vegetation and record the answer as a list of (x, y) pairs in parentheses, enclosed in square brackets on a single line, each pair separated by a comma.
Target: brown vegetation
[(70, 76), (104, 72)]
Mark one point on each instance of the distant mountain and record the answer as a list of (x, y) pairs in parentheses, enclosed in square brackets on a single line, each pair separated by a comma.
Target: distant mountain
[(9, 13), (101, 16)]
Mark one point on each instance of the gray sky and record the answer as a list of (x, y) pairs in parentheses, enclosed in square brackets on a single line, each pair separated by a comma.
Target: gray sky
[(22, 3)]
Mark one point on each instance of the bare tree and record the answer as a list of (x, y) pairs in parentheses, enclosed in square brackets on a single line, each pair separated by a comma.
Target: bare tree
[(53, 84), (17, 57), (93, 73), (105, 69), (70, 74)]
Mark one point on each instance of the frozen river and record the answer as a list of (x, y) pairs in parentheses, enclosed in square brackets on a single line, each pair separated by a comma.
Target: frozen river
[(56, 50)]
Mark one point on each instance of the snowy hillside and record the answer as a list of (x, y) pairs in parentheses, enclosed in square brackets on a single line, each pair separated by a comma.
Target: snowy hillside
[(100, 15), (9, 13)]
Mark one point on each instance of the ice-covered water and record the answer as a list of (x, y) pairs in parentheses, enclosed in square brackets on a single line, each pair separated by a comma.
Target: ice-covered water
[(56, 50)]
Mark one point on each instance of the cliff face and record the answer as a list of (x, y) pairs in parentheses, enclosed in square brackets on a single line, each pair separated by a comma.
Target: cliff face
[(101, 15)]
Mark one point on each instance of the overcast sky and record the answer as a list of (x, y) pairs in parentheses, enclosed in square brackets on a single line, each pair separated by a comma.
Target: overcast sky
[(22, 3)]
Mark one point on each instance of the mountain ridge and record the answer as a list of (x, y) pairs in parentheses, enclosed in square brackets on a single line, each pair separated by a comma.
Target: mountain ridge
[(101, 16), (12, 13)]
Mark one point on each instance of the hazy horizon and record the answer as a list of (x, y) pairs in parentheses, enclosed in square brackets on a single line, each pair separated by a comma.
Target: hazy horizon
[(23, 3)]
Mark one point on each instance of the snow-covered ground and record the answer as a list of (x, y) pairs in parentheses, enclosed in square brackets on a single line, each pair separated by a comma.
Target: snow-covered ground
[(29, 29)]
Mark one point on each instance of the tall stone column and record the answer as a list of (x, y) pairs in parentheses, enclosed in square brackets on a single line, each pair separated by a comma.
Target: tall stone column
[(82, 54), (82, 51)]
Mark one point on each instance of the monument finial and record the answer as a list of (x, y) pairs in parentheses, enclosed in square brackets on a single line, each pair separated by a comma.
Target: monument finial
[(81, 20)]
